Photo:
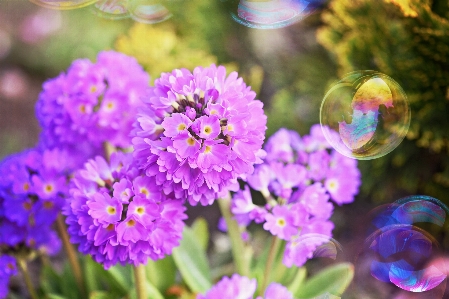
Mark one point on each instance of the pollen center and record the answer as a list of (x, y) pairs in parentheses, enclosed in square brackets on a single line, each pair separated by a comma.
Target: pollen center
[(110, 105), (26, 187), (111, 210), (190, 141), (140, 210), (207, 129), (131, 223), (208, 149), (93, 89), (181, 127), (280, 222), (48, 204), (82, 108), (48, 188), (27, 206), (144, 190), (110, 227), (230, 128)]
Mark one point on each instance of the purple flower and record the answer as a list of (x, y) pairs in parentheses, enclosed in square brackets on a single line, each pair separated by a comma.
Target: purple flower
[(33, 189), (92, 103), (118, 215), (8, 268), (241, 287), (281, 222), (199, 132), (236, 287)]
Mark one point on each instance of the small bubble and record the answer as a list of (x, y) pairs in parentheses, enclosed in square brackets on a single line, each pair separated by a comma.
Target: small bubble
[(400, 249), (149, 12), (270, 14), (365, 115), (111, 9), (63, 5)]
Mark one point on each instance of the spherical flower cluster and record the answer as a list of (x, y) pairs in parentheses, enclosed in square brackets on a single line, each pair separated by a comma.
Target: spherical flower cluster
[(33, 186), (8, 268), (305, 176), (241, 287), (118, 215), (199, 132), (92, 103)]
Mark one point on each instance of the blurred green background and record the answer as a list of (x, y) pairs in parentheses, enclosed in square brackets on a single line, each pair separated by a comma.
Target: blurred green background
[(290, 69)]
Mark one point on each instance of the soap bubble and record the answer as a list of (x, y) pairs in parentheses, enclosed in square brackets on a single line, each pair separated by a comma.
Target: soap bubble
[(148, 12), (270, 14), (400, 249), (111, 9), (365, 115), (61, 5)]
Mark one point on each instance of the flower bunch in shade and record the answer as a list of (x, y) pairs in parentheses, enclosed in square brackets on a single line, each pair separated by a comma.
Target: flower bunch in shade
[(118, 215), (92, 103), (305, 175), (33, 188), (8, 268), (241, 287), (199, 132)]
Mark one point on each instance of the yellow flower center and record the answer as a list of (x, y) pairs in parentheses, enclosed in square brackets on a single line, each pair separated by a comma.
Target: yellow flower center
[(140, 210), (280, 222), (93, 89), (144, 191), (48, 204), (26, 187), (131, 223), (111, 210), (190, 141), (208, 149), (181, 127), (207, 129), (48, 188)]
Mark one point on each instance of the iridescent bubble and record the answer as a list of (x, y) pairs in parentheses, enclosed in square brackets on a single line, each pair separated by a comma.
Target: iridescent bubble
[(365, 115), (111, 9), (403, 254), (148, 11), (270, 14), (62, 5)]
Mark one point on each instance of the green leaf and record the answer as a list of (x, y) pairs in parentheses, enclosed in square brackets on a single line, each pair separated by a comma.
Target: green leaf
[(161, 273), (298, 280), (333, 280), (191, 261), (201, 231), (54, 296), (152, 292)]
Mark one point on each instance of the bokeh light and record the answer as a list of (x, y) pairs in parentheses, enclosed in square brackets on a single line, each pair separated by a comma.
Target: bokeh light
[(62, 5), (402, 248), (370, 113), (270, 14)]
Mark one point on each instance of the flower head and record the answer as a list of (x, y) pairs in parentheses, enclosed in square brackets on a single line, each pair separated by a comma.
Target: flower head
[(199, 132), (118, 215), (33, 189), (92, 103)]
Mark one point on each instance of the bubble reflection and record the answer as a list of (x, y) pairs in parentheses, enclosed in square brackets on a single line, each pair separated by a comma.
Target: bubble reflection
[(270, 14), (63, 5), (149, 12), (111, 9), (404, 254)]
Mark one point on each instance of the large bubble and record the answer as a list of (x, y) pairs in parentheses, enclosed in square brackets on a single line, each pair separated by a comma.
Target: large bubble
[(402, 249), (370, 113), (61, 5), (143, 11), (270, 14), (111, 9)]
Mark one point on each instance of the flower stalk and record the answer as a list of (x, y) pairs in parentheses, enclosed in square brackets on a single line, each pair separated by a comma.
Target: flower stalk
[(22, 265), (140, 281), (274, 248), (241, 253), (71, 254)]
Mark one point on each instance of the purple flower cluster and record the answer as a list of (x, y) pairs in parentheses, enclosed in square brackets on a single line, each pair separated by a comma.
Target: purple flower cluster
[(117, 214), (199, 132), (33, 188), (92, 103), (241, 287), (8, 268), (305, 174)]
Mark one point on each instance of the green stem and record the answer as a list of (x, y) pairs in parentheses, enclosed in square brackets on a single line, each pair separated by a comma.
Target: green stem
[(274, 248), (140, 281), (22, 264), (241, 253), (71, 254)]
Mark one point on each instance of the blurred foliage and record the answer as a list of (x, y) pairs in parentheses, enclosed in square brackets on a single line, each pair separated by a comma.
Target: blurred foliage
[(159, 49), (409, 41)]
